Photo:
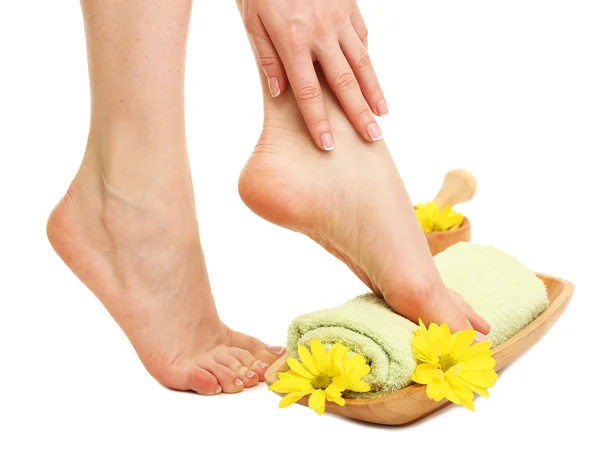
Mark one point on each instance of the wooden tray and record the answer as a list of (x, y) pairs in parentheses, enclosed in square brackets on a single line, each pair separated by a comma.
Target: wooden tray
[(411, 403)]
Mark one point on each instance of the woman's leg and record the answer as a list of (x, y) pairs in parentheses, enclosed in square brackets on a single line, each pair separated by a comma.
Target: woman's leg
[(353, 202), (127, 225)]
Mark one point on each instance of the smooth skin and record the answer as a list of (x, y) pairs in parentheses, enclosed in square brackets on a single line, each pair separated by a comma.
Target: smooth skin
[(352, 202), (127, 225), (288, 37)]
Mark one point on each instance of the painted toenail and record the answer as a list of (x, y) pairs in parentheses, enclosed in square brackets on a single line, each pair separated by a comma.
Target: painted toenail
[(264, 365), (250, 374), (238, 382), (374, 131), (218, 390), (327, 141), (480, 337), (277, 350), (382, 108), (274, 86)]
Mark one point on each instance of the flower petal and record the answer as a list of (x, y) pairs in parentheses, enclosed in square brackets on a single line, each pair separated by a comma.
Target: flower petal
[(298, 368), (481, 378), (454, 371), (460, 342), (292, 398), (307, 360), (359, 386), (318, 353), (478, 390), (479, 363), (423, 374), (422, 349), (317, 401), (336, 356), (481, 349), (436, 389), (287, 385)]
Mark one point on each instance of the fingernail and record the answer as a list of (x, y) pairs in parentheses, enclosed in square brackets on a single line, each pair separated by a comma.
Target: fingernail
[(327, 141), (480, 337), (264, 365), (382, 108), (274, 86), (218, 390), (238, 382), (374, 131), (277, 350)]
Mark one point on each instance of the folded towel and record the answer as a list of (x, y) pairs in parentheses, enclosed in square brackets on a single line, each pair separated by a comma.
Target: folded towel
[(499, 287)]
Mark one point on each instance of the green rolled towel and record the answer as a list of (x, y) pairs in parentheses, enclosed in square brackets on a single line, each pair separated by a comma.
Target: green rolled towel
[(498, 286)]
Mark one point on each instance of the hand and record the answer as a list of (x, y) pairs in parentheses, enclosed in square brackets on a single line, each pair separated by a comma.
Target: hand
[(290, 35)]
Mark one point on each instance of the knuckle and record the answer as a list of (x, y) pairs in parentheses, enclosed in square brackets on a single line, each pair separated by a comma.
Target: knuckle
[(320, 122), (268, 61), (308, 91), (345, 81), (364, 34), (363, 61), (297, 37), (364, 112)]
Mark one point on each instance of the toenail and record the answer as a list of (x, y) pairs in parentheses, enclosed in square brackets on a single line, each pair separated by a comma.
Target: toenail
[(374, 131), (327, 141), (480, 337), (218, 390), (238, 382), (250, 374), (382, 108), (277, 350), (264, 365)]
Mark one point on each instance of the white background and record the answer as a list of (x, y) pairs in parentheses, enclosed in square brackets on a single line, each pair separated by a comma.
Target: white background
[(509, 90)]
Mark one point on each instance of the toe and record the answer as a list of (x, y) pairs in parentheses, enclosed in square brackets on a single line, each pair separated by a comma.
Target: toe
[(247, 359), (227, 378), (241, 368), (260, 350), (203, 382)]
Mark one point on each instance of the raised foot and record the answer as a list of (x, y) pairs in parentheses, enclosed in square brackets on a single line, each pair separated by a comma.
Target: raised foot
[(146, 266)]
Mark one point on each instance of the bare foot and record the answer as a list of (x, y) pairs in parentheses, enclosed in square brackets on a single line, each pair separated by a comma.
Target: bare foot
[(141, 256), (351, 201)]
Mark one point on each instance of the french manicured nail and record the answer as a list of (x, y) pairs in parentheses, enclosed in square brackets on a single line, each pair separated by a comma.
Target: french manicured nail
[(327, 141), (218, 390), (264, 366), (382, 108), (238, 382), (277, 350), (250, 374), (374, 131), (480, 337), (274, 86)]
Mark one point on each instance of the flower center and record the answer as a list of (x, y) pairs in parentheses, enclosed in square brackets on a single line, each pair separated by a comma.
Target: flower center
[(321, 381), (446, 362)]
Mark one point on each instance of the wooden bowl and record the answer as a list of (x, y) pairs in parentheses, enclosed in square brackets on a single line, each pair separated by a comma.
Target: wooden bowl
[(438, 241), (411, 403)]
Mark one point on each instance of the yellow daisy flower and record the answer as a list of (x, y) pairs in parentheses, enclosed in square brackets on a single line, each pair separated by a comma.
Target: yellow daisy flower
[(434, 219), (451, 366), (322, 375)]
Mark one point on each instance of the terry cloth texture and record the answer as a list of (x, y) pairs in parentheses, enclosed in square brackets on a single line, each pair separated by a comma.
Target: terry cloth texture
[(498, 286)]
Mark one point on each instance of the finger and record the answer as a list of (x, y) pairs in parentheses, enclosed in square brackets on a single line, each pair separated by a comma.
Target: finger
[(358, 58), (343, 82), (267, 56), (358, 23), (300, 70)]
